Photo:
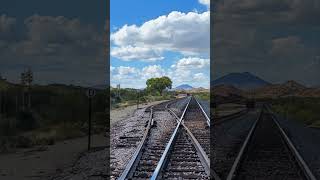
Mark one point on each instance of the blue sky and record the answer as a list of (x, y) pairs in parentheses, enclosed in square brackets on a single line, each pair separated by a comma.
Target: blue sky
[(159, 38), (138, 11)]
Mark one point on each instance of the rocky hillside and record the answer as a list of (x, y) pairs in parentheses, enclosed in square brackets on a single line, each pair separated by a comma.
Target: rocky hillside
[(226, 90), (289, 88)]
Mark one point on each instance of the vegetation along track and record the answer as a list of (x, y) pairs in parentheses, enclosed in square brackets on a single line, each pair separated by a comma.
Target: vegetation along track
[(157, 134), (268, 153)]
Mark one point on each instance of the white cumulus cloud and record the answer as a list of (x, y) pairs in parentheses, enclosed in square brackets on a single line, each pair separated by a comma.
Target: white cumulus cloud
[(128, 53), (199, 77), (152, 71), (192, 63), (185, 33), (122, 70)]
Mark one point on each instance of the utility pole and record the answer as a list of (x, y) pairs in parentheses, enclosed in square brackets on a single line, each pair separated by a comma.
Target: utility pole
[(90, 94), (29, 80), (0, 98), (138, 99), (26, 81), (23, 83), (89, 123), (118, 91), (0, 102), (17, 105)]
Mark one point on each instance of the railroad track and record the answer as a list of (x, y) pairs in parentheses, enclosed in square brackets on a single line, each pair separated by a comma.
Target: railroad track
[(179, 154), (184, 157), (228, 136), (268, 153), (148, 153), (199, 124)]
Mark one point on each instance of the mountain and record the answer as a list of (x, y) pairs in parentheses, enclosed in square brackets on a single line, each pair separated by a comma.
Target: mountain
[(184, 87), (242, 81)]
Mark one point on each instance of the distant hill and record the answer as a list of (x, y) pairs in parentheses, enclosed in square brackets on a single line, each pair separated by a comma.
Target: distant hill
[(226, 90), (242, 81), (198, 90), (289, 88), (184, 87)]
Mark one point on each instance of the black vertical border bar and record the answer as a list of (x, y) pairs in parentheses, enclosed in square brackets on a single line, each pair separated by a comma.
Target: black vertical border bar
[(212, 139), (108, 109)]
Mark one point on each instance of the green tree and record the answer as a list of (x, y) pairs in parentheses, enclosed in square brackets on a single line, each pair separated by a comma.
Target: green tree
[(158, 84)]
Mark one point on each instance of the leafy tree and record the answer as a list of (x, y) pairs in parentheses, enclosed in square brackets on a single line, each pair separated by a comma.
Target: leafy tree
[(158, 84)]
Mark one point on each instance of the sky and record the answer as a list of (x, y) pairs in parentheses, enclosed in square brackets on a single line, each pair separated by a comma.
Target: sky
[(277, 40), (160, 38), (61, 41)]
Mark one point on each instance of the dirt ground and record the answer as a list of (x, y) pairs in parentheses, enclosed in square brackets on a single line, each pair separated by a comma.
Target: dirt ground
[(60, 160), (40, 162)]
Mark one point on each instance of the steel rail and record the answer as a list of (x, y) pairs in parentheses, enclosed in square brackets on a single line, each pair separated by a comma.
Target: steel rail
[(243, 148), (168, 147), (134, 160), (201, 153), (303, 165), (203, 156), (203, 112)]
